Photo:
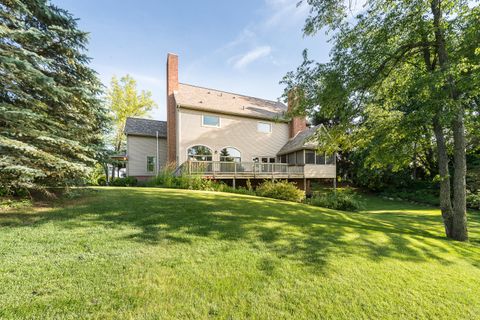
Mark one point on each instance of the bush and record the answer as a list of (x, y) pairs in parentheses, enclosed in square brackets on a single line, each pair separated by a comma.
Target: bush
[(340, 200), (473, 200), (282, 190), (124, 182), (102, 181)]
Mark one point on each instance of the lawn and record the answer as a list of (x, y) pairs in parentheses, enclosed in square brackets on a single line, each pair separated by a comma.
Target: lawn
[(141, 253)]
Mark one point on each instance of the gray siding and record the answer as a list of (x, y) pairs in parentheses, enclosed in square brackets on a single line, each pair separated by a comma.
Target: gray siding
[(238, 132), (139, 148)]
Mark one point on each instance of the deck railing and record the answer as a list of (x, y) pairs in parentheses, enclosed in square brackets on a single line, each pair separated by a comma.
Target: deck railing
[(219, 169)]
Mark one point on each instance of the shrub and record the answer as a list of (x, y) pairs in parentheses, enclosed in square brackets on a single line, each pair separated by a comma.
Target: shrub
[(282, 190), (473, 200), (124, 182), (340, 200), (102, 181)]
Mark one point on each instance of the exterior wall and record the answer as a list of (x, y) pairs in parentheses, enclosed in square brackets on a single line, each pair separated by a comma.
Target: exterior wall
[(320, 171), (138, 148), (237, 132)]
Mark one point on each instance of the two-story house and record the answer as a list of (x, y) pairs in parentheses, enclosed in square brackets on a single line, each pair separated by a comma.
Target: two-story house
[(226, 136)]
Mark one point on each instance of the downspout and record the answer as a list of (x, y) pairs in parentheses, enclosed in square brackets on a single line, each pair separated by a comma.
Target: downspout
[(156, 158)]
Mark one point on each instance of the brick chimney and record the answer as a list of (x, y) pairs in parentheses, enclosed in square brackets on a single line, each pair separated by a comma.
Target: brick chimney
[(172, 85), (298, 123)]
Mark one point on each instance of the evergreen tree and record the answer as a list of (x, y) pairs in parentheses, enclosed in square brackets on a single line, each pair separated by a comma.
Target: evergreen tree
[(51, 118)]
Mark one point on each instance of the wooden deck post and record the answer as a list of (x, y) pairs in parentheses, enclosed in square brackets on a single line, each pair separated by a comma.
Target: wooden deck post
[(234, 174)]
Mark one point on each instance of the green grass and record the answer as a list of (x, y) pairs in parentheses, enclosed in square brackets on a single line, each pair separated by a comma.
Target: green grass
[(145, 253)]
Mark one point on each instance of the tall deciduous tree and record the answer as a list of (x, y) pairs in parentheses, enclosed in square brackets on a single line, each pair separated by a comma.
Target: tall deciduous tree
[(124, 101), (51, 117), (400, 72)]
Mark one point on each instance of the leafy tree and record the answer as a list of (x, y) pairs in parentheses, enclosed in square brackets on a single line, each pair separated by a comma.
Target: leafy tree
[(401, 72), (124, 101), (51, 117)]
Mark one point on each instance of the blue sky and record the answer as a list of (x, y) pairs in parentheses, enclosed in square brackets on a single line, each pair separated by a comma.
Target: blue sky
[(243, 46)]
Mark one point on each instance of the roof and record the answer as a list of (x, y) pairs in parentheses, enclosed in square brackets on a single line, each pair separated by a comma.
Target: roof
[(302, 140), (205, 99), (145, 127)]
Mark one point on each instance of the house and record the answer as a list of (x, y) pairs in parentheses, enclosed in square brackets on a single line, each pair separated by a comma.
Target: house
[(224, 135)]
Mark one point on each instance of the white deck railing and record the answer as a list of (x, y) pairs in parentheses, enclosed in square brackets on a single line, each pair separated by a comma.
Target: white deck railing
[(220, 169)]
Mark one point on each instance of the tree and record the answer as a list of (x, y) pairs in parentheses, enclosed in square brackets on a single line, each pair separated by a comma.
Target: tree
[(124, 101), (400, 72), (51, 117)]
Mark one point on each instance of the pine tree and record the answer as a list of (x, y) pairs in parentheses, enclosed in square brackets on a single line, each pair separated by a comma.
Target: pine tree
[(51, 117)]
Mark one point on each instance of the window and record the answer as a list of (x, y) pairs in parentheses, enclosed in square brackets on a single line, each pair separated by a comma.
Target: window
[(264, 127), (320, 158), (211, 121), (230, 155), (291, 158), (199, 153), (283, 158), (330, 159), (309, 157), (150, 164), (300, 159), (267, 159)]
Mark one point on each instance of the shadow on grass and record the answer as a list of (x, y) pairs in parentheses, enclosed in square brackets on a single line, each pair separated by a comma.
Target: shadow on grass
[(293, 231)]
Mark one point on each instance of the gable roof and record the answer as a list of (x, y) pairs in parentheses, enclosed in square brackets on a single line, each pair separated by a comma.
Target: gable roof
[(145, 127), (301, 141), (205, 99)]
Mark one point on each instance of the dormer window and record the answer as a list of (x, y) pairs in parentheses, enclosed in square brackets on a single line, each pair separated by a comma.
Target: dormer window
[(264, 127), (211, 121)]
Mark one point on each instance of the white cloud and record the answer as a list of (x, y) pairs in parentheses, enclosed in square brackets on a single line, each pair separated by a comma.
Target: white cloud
[(285, 12), (240, 62)]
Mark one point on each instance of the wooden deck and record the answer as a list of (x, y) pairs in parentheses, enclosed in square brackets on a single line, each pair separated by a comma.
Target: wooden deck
[(254, 170)]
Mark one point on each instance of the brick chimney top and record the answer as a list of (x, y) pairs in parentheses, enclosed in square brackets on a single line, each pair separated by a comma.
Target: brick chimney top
[(298, 123)]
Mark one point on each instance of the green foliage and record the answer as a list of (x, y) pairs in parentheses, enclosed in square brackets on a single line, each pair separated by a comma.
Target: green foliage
[(282, 190), (124, 101), (414, 193), (167, 178), (124, 182), (14, 203), (339, 200), (96, 175), (51, 117), (102, 181), (473, 200), (402, 74)]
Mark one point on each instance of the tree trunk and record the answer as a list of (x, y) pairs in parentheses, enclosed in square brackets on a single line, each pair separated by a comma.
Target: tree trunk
[(460, 231), (445, 194), (105, 168)]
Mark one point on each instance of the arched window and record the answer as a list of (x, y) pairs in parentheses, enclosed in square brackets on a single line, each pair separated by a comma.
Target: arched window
[(230, 154), (199, 153)]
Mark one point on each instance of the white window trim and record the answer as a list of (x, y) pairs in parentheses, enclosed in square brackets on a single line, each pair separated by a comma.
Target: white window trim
[(268, 123), (209, 126)]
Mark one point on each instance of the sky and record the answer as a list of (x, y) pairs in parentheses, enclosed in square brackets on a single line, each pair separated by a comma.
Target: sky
[(244, 47)]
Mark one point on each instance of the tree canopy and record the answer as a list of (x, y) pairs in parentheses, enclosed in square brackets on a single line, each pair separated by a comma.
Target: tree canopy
[(51, 117), (402, 74), (124, 101)]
